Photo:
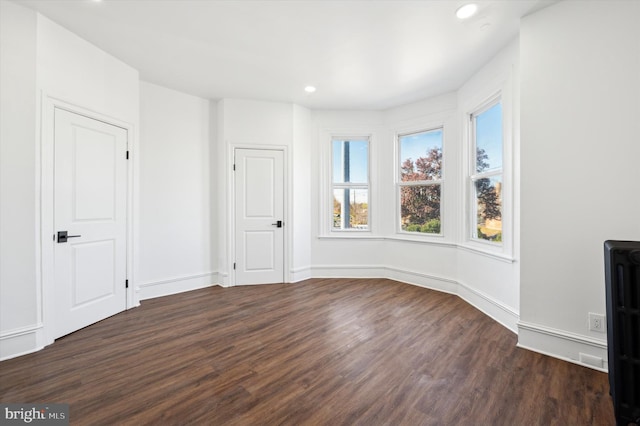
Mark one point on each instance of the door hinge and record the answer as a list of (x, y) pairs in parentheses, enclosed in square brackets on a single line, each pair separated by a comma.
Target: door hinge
[(234, 266), (234, 167), (127, 155), (126, 283)]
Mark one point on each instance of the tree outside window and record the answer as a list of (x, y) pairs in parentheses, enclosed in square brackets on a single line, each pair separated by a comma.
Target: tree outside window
[(486, 177), (420, 181)]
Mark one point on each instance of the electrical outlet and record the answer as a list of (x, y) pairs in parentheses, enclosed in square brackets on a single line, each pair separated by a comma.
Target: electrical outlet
[(597, 322)]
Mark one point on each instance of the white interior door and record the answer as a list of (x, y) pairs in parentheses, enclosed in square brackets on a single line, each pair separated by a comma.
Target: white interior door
[(259, 213), (90, 186)]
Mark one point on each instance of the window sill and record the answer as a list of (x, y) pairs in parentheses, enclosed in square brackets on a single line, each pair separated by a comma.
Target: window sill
[(436, 240), (483, 251), (487, 253), (350, 236)]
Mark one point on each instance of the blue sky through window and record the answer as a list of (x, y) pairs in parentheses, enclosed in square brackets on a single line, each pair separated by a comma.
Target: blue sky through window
[(489, 135), (358, 161), (418, 145)]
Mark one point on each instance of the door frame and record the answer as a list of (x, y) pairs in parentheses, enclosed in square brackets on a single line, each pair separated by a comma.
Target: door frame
[(231, 210), (46, 261)]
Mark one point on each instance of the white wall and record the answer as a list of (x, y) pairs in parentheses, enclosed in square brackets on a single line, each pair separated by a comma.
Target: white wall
[(249, 122), (176, 222), (77, 72), (421, 260), (580, 157), (245, 123), (255, 124), (74, 73), (44, 64), (490, 280), (324, 124), (19, 311), (300, 216)]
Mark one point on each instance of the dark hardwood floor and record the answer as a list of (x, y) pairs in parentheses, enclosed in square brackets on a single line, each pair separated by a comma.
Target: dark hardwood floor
[(320, 352)]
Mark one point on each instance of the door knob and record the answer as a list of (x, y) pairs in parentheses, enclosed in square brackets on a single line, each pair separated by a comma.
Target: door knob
[(62, 236), (278, 224)]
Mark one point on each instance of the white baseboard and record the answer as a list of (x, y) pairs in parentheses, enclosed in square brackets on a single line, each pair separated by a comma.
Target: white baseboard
[(563, 345), (347, 271), (491, 307), (21, 341), (299, 274), (223, 279), (485, 303), (445, 285), (152, 289), (433, 282)]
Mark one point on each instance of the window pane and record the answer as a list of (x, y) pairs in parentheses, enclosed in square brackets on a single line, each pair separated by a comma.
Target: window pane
[(351, 209), (489, 139), (421, 156), (350, 161), (489, 208), (420, 208)]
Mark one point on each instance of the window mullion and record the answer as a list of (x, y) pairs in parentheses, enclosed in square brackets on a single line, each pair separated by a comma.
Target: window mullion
[(488, 174), (421, 183)]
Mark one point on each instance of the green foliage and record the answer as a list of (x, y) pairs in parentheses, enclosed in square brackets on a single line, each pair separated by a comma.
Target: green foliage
[(430, 227)]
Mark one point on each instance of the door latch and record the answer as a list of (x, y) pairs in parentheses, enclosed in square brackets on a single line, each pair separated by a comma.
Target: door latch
[(278, 224), (62, 236)]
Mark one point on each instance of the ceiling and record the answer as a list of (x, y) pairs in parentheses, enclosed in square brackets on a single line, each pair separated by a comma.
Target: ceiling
[(359, 54)]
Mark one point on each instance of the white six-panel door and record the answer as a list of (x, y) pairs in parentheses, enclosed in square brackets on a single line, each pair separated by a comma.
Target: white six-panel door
[(90, 187), (259, 206)]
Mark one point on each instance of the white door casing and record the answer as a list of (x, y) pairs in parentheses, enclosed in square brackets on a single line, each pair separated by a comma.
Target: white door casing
[(259, 206), (90, 200)]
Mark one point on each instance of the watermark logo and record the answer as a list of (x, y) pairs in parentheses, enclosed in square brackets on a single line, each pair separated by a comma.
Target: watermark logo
[(34, 414)]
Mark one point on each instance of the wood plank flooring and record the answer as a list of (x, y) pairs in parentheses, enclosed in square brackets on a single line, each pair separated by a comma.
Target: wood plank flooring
[(319, 352)]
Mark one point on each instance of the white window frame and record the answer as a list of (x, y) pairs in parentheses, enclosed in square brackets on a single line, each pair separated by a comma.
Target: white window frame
[(400, 184), (348, 185), (473, 176)]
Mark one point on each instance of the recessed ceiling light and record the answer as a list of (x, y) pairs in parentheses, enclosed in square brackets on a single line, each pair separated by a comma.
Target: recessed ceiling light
[(466, 11), (309, 89)]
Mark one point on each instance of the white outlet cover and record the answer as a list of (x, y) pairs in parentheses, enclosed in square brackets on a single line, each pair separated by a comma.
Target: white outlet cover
[(597, 322)]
